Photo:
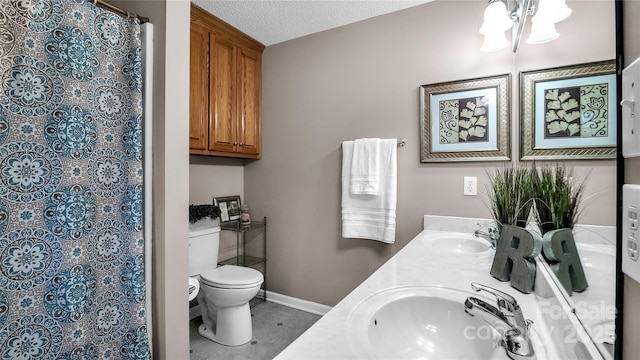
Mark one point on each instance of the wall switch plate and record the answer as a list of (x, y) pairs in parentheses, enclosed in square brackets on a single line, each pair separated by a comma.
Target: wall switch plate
[(631, 110), (471, 185), (630, 231)]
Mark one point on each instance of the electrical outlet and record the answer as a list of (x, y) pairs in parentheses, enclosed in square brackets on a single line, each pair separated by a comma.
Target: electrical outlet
[(630, 233), (471, 185)]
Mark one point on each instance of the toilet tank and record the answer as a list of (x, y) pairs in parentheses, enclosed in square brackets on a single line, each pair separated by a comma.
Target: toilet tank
[(203, 249)]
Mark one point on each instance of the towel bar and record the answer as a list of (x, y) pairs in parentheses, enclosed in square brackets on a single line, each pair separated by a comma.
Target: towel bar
[(402, 142)]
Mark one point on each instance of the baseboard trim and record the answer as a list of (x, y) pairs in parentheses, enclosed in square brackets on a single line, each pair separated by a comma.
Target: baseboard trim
[(304, 305), (194, 312)]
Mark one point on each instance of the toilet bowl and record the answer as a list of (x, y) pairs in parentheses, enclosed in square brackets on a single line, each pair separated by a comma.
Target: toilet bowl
[(224, 296), (224, 291)]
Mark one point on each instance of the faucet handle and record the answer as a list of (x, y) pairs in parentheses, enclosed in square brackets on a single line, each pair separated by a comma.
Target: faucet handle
[(518, 345), (491, 229), (505, 301)]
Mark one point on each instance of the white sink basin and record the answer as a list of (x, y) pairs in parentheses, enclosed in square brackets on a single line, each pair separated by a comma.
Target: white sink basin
[(597, 258), (597, 262), (459, 243), (420, 323)]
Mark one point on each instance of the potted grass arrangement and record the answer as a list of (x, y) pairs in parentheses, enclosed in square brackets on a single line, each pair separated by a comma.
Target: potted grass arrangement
[(557, 203), (511, 200), (511, 196), (557, 199)]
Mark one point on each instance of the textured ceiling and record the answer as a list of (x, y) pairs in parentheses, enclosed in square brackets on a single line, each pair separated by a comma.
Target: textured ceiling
[(274, 21)]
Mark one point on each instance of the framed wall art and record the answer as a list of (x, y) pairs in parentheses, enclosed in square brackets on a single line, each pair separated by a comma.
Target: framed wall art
[(229, 207), (569, 112), (466, 120)]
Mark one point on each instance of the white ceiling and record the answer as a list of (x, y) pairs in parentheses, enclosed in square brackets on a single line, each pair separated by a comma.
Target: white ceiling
[(274, 21)]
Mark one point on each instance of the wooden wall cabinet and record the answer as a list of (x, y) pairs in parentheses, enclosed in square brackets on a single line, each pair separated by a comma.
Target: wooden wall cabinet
[(225, 89)]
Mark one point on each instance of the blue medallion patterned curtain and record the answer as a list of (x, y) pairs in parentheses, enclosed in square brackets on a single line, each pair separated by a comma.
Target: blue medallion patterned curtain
[(71, 172)]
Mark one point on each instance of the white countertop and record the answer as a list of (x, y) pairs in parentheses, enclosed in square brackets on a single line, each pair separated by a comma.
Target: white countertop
[(417, 264)]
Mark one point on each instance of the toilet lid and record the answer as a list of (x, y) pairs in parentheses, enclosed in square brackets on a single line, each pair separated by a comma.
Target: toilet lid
[(231, 276)]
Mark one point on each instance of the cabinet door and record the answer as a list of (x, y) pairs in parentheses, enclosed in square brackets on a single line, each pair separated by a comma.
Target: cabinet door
[(199, 87), (249, 95), (222, 132)]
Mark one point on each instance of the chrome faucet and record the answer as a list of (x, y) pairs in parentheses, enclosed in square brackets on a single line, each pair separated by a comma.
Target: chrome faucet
[(506, 318), (491, 234)]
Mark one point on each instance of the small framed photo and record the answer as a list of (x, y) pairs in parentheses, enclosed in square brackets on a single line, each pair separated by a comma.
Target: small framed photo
[(467, 120), (229, 207), (569, 113)]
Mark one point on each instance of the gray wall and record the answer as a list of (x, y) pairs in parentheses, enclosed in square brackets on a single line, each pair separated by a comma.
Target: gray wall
[(361, 81)]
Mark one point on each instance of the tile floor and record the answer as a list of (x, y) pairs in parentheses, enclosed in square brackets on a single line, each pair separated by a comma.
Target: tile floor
[(274, 328)]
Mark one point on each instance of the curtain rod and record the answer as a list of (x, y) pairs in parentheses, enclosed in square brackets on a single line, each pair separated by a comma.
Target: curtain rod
[(118, 10)]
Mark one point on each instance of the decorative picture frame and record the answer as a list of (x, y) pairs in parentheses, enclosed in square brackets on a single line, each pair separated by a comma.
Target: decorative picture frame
[(466, 120), (229, 208), (569, 113)]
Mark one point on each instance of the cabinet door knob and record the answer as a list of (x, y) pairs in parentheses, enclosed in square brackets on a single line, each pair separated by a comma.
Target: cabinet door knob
[(235, 143), (241, 144)]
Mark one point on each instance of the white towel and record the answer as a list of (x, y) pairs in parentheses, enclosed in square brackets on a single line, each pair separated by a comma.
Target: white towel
[(365, 167), (371, 216)]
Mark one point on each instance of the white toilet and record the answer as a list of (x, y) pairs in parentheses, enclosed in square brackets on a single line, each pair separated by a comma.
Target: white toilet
[(224, 292)]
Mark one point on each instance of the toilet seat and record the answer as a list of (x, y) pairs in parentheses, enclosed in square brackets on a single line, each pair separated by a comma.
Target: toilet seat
[(232, 277)]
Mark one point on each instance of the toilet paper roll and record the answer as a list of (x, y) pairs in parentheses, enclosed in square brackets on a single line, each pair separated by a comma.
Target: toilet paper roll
[(194, 287)]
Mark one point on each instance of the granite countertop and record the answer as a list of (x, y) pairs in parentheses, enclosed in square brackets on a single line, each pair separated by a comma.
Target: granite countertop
[(417, 264)]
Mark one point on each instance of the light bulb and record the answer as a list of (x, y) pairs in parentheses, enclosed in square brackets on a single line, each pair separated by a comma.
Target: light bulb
[(551, 11), (542, 33), (494, 41), (496, 18)]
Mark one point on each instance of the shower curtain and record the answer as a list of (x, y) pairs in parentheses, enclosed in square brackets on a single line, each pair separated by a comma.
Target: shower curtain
[(72, 260)]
